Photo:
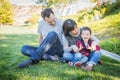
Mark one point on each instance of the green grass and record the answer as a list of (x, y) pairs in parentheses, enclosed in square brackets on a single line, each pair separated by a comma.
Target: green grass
[(12, 38)]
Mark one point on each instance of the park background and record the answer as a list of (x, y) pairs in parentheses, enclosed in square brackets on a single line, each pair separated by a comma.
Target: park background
[(18, 27)]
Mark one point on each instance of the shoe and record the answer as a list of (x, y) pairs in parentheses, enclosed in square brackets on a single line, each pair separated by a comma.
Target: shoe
[(61, 59), (77, 64), (100, 62), (25, 63)]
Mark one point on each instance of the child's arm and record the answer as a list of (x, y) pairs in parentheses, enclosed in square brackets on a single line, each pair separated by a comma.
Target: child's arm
[(93, 47)]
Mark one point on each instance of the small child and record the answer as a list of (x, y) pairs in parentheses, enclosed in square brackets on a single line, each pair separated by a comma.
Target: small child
[(86, 45)]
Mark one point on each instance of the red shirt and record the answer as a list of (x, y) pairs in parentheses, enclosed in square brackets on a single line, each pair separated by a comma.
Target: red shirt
[(84, 50)]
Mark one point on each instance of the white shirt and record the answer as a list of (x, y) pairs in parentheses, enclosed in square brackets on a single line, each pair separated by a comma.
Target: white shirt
[(44, 28)]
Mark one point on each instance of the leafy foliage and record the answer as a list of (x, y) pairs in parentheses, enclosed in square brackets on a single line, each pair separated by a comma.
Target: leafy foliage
[(6, 15)]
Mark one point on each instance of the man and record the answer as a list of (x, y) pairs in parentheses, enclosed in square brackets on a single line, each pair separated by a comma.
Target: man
[(50, 39)]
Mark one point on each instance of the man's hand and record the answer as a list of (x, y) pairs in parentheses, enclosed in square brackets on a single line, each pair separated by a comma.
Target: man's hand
[(40, 38)]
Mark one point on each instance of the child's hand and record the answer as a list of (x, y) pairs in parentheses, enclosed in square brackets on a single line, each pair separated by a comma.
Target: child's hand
[(80, 47), (75, 48), (90, 48)]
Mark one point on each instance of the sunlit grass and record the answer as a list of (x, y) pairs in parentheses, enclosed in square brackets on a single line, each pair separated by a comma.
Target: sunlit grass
[(10, 45), (12, 38)]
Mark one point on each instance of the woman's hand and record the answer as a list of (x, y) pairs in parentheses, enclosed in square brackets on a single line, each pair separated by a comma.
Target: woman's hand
[(75, 48)]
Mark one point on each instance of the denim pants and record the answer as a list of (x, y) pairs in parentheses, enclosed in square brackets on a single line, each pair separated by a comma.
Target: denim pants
[(74, 57), (94, 57), (50, 45)]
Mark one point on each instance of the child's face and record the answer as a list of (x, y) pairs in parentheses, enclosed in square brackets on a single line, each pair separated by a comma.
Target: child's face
[(85, 35)]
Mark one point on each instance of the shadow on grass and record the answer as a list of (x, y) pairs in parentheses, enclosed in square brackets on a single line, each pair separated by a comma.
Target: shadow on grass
[(10, 46), (110, 67)]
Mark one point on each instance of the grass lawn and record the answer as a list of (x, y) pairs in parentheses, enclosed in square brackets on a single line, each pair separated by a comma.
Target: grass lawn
[(12, 38)]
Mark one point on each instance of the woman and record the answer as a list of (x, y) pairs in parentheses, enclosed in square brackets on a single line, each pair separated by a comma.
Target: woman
[(72, 34)]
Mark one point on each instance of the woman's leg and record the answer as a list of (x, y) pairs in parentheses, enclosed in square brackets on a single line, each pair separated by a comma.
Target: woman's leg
[(68, 56)]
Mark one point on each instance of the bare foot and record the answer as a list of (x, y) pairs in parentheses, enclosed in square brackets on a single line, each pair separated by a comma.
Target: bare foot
[(70, 63), (87, 67)]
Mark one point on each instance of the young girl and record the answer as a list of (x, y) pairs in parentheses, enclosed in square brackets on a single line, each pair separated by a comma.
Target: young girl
[(72, 35)]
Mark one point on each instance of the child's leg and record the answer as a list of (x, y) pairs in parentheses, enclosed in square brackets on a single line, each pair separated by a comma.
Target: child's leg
[(68, 56), (84, 59), (77, 59)]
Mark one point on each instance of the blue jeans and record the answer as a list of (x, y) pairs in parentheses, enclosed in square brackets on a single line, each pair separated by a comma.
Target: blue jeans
[(94, 57), (51, 45), (74, 57)]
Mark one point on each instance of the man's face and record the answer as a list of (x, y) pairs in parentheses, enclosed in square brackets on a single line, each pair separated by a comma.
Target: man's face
[(51, 20)]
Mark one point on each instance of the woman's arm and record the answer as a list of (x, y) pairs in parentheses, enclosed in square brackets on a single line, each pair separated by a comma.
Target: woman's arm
[(95, 40), (67, 48)]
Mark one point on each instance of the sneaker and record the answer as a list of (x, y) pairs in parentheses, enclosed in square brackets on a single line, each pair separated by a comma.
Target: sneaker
[(62, 60), (77, 64), (100, 62), (25, 63)]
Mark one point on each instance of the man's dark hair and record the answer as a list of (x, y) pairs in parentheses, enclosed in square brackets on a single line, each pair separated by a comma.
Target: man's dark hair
[(68, 26), (46, 12)]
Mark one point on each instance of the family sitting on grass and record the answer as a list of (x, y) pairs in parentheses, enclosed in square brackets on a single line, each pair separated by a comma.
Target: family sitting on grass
[(63, 41)]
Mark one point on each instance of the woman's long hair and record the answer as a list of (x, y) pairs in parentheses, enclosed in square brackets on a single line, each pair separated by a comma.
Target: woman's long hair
[(68, 26)]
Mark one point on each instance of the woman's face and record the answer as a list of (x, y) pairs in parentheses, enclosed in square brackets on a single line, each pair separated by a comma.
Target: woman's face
[(75, 31), (85, 35)]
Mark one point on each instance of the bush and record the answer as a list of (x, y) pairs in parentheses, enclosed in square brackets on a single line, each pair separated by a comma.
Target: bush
[(6, 15), (112, 45), (109, 8), (33, 19)]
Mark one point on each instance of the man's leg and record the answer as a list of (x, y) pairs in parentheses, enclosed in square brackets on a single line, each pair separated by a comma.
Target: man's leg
[(49, 45), (45, 46), (28, 50)]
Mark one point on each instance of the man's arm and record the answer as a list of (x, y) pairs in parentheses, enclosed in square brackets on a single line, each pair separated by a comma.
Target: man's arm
[(40, 38)]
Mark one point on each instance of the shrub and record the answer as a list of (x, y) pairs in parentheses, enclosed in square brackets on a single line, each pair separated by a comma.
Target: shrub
[(33, 19), (112, 45), (109, 8), (6, 15)]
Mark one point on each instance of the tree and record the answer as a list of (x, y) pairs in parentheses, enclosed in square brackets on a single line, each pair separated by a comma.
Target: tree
[(6, 15)]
